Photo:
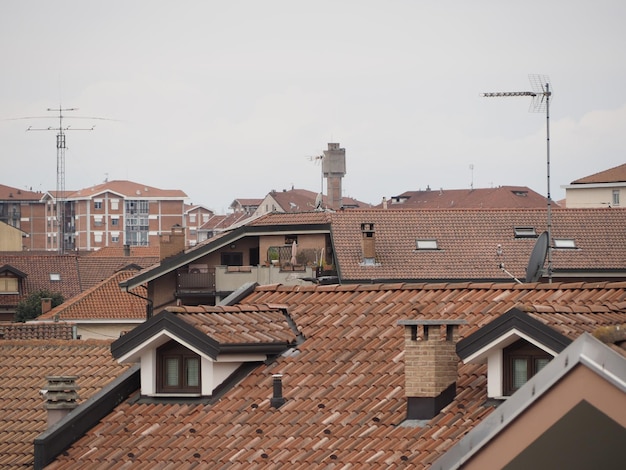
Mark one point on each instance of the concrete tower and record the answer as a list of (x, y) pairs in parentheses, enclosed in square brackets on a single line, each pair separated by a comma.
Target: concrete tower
[(334, 169)]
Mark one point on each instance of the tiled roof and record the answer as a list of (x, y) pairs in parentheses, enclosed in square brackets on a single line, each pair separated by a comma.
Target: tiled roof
[(128, 189), (24, 366), (467, 240), (104, 301), (302, 200), (239, 324), (513, 197), (95, 269), (7, 193), (344, 385), (292, 218), (612, 175), (118, 252), (38, 268), (56, 330)]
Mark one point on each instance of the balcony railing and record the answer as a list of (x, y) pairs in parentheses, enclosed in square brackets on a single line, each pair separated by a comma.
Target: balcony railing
[(196, 281)]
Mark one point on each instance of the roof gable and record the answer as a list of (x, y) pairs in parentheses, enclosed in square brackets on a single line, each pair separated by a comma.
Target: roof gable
[(586, 351), (476, 346)]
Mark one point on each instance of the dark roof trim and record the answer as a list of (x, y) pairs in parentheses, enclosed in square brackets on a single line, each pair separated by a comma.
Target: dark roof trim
[(176, 261), (241, 293), (11, 269), (164, 321), (181, 329), (62, 435), (513, 319)]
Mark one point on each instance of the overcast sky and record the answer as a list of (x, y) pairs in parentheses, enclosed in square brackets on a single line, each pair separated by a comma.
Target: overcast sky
[(228, 99)]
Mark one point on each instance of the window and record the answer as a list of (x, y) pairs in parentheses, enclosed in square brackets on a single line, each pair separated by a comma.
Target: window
[(525, 232), (115, 204), (192, 218), (55, 276), (567, 243), (97, 220), (115, 221), (232, 258), (97, 204), (616, 197), (178, 369), (426, 244), (522, 360), (8, 284)]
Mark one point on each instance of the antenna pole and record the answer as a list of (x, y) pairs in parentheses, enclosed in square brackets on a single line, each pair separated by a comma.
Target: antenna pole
[(548, 93), (60, 189), (541, 98)]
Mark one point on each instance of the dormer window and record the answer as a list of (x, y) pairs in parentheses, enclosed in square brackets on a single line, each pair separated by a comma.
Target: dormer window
[(178, 369), (522, 360), (8, 284)]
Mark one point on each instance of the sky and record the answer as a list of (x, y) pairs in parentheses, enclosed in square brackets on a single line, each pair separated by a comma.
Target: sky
[(233, 99)]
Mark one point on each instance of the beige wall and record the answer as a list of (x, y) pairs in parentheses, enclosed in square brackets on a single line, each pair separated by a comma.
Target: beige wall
[(589, 197), (103, 330), (579, 384), (10, 238)]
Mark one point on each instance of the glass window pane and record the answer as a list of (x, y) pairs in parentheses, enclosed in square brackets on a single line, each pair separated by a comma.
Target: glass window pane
[(171, 372), (193, 371), (541, 363), (520, 372)]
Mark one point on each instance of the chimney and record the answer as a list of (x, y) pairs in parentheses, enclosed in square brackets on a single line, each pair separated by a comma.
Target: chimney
[(127, 250), (368, 243), (277, 399), (430, 365), (173, 243), (60, 397), (384, 202), (334, 169), (46, 305)]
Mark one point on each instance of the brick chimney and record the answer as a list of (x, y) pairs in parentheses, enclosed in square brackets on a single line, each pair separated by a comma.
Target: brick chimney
[(172, 243), (430, 365), (368, 243), (60, 397), (46, 304)]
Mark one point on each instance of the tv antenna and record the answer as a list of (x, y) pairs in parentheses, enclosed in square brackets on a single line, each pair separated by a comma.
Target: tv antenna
[(471, 167), (318, 200), (61, 146), (541, 93)]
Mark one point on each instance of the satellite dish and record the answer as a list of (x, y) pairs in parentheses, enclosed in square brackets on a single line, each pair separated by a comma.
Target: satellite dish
[(318, 202), (537, 258)]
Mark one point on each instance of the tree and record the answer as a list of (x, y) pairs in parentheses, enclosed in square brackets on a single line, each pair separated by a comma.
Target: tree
[(30, 307)]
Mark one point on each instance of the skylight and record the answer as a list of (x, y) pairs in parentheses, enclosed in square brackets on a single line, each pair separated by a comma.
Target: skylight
[(55, 277), (525, 232), (567, 243), (426, 244)]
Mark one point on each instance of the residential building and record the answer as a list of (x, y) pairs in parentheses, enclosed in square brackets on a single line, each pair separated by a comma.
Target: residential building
[(603, 189), (501, 197), (11, 238), (196, 216), (247, 205), (23, 273), (300, 200), (102, 311), (28, 212), (376, 245), (363, 376), (118, 213)]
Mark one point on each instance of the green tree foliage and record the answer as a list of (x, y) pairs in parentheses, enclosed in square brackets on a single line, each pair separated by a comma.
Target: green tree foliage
[(30, 307)]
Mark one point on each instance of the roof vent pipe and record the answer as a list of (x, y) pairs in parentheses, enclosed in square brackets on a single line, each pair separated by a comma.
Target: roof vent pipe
[(277, 399), (61, 397)]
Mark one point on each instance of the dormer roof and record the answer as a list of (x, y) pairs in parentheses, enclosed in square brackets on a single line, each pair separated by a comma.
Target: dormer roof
[(211, 331), (504, 330)]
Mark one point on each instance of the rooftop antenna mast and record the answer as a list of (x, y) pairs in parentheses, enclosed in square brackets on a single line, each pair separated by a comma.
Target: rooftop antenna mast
[(541, 93), (60, 188)]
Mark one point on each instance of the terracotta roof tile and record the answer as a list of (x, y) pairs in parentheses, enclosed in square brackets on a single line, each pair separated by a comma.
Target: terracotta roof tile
[(57, 330), (23, 368), (104, 301), (612, 175), (344, 385)]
